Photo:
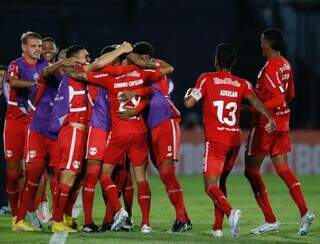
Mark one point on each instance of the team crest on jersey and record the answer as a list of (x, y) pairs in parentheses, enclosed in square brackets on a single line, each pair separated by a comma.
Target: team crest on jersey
[(9, 153), (36, 76), (32, 153), (76, 164), (93, 151)]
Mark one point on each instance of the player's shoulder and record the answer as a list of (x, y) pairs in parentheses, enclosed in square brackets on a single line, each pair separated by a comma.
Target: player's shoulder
[(242, 81)]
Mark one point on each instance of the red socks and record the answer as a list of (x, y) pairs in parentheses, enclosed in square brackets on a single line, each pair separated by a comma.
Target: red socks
[(219, 199), (13, 190), (61, 202), (294, 186), (253, 175), (93, 173), (144, 200), (174, 190), (128, 194), (111, 193)]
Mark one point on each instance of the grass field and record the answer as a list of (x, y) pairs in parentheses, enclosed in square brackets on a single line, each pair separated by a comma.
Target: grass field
[(201, 212)]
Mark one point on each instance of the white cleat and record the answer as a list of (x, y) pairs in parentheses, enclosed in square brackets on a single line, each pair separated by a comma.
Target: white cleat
[(33, 219), (216, 233), (234, 221), (146, 229), (265, 227), (43, 212), (119, 219), (305, 223)]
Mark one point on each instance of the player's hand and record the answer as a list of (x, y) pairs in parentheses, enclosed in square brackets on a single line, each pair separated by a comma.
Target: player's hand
[(127, 114), (126, 96), (70, 62), (126, 47), (270, 126)]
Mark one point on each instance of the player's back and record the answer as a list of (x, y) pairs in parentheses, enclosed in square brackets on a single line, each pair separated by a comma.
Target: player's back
[(222, 95)]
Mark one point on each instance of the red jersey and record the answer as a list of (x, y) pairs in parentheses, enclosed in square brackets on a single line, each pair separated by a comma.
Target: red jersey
[(114, 85), (222, 95), (275, 79)]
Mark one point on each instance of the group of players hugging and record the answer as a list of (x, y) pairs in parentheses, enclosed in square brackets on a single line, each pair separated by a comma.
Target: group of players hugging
[(77, 122)]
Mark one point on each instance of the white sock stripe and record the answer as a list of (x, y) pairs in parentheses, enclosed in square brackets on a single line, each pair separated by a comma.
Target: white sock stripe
[(128, 188), (295, 184), (144, 197), (111, 186), (89, 189), (13, 192), (33, 184)]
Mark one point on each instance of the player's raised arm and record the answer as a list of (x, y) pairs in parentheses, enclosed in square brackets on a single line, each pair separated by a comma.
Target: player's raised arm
[(125, 96), (138, 60), (258, 105), (165, 68), (109, 57), (69, 62)]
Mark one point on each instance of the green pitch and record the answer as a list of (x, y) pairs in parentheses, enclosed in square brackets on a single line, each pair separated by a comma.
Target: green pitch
[(201, 212)]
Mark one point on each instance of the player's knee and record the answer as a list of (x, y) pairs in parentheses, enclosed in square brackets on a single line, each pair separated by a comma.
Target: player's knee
[(14, 174), (167, 172)]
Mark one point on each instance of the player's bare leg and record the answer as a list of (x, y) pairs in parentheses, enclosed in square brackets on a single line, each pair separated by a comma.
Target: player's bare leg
[(111, 192), (14, 174), (281, 167), (144, 195), (252, 173), (67, 180), (221, 202), (174, 191), (91, 178)]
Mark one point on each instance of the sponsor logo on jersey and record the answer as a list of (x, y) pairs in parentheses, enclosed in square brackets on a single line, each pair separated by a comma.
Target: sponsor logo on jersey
[(226, 81)]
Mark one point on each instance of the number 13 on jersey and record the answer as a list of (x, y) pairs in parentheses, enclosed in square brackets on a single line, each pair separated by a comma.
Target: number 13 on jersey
[(230, 107)]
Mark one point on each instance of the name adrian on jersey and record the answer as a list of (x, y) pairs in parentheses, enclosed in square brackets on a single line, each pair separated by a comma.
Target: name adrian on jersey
[(226, 93)]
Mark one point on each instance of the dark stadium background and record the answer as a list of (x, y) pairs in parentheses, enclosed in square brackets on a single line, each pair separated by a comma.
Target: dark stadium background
[(184, 33)]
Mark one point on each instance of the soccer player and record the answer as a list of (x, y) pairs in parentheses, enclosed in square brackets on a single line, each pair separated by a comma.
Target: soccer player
[(275, 88), (72, 136), (126, 137), (23, 76), (222, 95), (41, 144), (165, 139)]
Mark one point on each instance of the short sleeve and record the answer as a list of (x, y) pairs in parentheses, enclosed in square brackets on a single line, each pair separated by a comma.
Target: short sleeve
[(201, 84)]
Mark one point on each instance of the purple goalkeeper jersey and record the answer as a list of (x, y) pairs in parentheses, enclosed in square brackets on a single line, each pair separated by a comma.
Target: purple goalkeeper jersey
[(100, 116), (159, 108)]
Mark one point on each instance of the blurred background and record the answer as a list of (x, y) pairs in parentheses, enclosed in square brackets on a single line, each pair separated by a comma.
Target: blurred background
[(185, 34)]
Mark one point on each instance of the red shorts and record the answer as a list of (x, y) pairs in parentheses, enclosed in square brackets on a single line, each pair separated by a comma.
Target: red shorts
[(218, 157), (119, 145), (165, 141), (14, 135), (71, 146), (96, 143), (262, 143), (40, 148)]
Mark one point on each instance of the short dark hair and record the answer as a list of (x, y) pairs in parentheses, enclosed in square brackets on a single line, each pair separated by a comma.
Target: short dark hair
[(3, 67), (48, 39), (108, 49), (143, 48), (274, 37), (29, 34), (226, 55), (73, 50)]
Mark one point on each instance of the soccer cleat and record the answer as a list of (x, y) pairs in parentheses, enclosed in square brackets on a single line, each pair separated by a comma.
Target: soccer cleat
[(305, 223), (33, 219), (216, 233), (265, 227), (146, 229), (22, 225), (128, 224), (62, 227), (5, 210), (105, 227), (119, 219), (178, 226), (92, 228), (234, 221), (13, 223), (71, 222), (43, 212), (189, 225)]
